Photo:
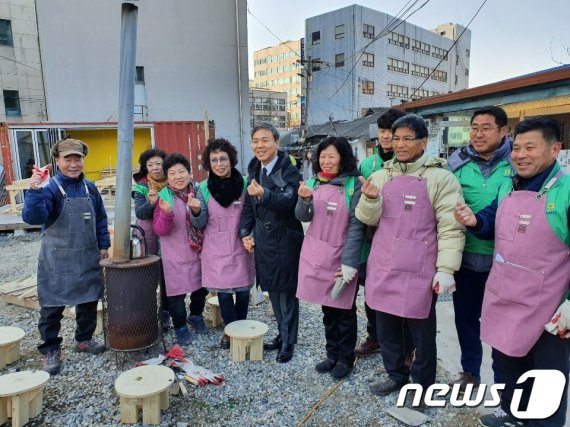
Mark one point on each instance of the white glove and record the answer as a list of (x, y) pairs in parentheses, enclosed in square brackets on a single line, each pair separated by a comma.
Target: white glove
[(560, 322), (443, 283), (348, 273)]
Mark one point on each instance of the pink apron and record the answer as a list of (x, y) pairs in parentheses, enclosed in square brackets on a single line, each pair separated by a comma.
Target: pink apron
[(180, 263), (322, 249), (225, 262), (403, 255), (529, 277)]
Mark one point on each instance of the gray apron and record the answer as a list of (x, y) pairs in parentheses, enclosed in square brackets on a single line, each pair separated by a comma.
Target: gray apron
[(68, 266)]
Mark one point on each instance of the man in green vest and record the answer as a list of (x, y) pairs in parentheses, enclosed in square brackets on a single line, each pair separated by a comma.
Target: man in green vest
[(481, 168), (382, 152), (526, 310)]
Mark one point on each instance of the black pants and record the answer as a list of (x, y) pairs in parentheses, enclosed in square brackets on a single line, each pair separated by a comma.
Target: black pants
[(50, 324), (391, 339), (230, 310), (550, 352), (467, 304), (286, 308), (177, 307), (340, 332)]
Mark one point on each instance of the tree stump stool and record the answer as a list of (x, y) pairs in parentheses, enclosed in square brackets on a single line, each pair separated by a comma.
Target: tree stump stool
[(99, 327), (246, 336), (144, 388), (21, 396), (10, 338), (214, 309)]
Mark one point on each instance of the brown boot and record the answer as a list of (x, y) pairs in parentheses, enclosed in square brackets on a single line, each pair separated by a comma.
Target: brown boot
[(225, 342), (367, 347), (464, 379)]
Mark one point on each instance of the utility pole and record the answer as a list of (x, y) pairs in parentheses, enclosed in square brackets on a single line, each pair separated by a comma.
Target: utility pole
[(309, 65)]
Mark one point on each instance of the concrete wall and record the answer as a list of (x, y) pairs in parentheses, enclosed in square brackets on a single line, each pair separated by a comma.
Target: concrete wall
[(338, 90), (188, 49), (20, 65)]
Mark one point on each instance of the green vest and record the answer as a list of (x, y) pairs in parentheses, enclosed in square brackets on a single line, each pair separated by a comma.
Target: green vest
[(206, 191), (479, 192), (557, 203), (139, 188), (371, 164)]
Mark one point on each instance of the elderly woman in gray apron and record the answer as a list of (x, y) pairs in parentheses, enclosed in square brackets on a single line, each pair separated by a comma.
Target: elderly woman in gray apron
[(180, 246), (331, 249), (227, 267), (149, 180), (75, 238)]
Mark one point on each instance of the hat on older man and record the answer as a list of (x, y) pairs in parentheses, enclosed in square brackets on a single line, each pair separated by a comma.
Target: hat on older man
[(67, 147)]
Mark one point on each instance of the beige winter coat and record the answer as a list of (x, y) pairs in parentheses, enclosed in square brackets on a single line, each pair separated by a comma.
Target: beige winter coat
[(444, 192)]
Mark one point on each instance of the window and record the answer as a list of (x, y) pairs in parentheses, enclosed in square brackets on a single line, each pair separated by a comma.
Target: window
[(368, 87), (339, 60), (439, 75), (316, 37), (139, 75), (434, 93), (439, 53), (339, 32), (368, 31), (368, 59), (6, 33), (467, 72), (317, 64), (418, 46), (419, 93), (399, 66), (399, 40), (396, 91), (12, 103), (467, 53), (419, 70)]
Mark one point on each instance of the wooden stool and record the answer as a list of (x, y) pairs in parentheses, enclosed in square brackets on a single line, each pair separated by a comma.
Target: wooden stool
[(99, 327), (144, 387), (215, 314), (10, 338), (246, 336), (21, 396)]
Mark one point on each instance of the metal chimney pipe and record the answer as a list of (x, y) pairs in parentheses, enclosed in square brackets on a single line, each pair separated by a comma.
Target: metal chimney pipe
[(121, 243)]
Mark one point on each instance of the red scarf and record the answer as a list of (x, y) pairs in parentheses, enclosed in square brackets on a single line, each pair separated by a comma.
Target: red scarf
[(327, 176)]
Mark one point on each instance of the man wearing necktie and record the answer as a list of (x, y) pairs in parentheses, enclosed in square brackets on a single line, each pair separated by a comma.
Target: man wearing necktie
[(268, 223)]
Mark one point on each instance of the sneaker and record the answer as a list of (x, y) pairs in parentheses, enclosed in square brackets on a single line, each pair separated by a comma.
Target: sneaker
[(91, 346), (341, 370), (499, 418), (367, 347), (165, 320), (338, 288), (383, 388), (52, 362), (197, 322), (464, 379), (409, 402), (183, 335), (326, 365)]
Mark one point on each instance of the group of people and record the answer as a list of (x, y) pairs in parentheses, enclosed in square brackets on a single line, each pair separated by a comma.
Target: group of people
[(490, 225)]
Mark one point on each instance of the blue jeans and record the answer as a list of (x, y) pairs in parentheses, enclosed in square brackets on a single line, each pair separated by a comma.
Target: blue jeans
[(231, 311)]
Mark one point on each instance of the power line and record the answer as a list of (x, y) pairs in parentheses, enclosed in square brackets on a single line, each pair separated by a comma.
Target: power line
[(448, 50)]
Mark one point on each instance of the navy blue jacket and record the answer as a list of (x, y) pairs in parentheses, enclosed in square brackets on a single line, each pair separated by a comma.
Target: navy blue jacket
[(43, 206)]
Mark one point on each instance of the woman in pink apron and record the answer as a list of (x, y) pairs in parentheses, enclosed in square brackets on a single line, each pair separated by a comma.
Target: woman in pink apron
[(227, 268), (331, 249), (149, 180), (180, 245)]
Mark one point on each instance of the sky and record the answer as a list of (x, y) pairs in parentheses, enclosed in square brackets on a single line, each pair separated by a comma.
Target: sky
[(509, 38)]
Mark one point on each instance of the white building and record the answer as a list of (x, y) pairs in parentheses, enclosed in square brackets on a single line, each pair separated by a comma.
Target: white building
[(369, 59), (21, 81), (191, 59)]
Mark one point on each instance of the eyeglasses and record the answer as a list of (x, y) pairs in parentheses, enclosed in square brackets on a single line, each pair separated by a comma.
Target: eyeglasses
[(405, 140), (485, 130), (220, 160)]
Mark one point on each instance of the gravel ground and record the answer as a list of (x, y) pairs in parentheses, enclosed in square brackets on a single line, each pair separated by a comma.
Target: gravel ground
[(262, 393)]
